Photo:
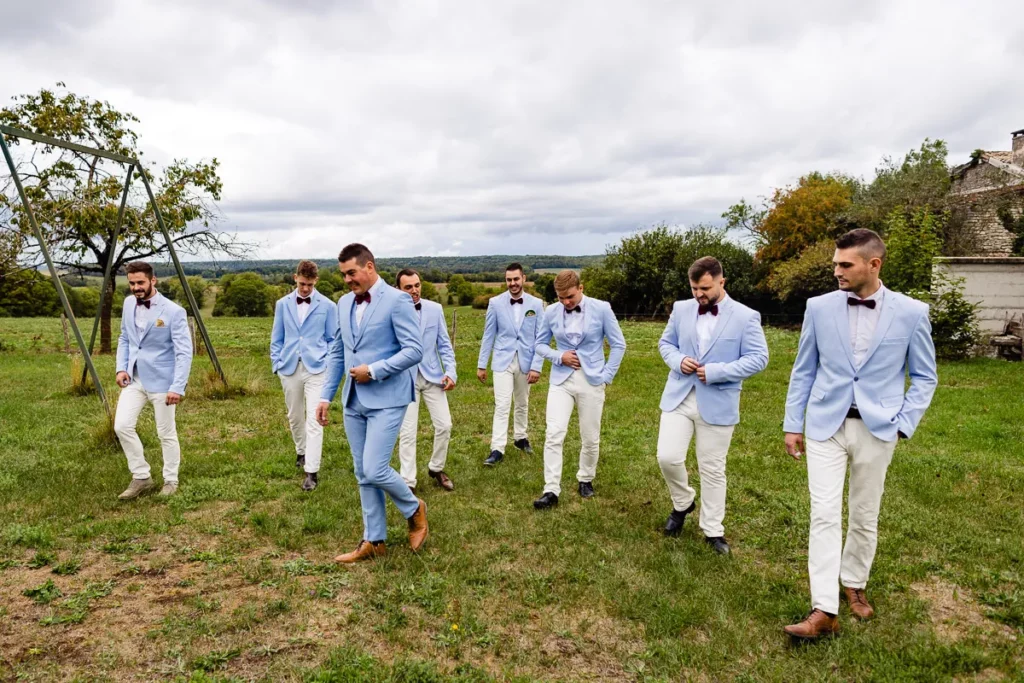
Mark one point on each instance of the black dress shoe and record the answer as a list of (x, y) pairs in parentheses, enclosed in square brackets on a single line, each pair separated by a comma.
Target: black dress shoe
[(310, 482), (523, 445), (586, 489), (300, 461), (674, 525), (718, 544), (494, 458), (548, 500)]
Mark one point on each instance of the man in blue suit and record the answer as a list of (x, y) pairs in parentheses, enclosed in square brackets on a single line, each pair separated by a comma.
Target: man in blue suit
[(305, 324), (435, 376), (579, 373), (711, 344), (154, 358), (847, 394), (377, 346), (510, 330)]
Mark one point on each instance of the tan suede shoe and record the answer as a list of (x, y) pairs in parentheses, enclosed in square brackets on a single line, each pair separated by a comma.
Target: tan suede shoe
[(364, 551), (137, 488), (418, 527), (859, 604), (816, 625)]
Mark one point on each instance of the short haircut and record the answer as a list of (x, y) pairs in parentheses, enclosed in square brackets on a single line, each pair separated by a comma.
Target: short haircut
[(866, 241), (515, 266), (356, 251), (566, 280), (404, 272), (307, 269), (705, 265), (139, 267)]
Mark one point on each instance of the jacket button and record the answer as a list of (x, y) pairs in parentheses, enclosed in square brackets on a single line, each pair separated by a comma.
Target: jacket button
[(856, 379)]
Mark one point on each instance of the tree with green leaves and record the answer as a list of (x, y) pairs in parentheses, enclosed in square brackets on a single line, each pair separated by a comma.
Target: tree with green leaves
[(76, 196)]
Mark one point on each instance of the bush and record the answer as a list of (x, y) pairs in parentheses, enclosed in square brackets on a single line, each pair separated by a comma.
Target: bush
[(429, 291), (954, 319), (809, 274), (912, 243), (481, 301), (245, 295)]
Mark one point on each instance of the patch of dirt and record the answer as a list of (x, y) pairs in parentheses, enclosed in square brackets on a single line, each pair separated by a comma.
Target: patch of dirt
[(955, 614)]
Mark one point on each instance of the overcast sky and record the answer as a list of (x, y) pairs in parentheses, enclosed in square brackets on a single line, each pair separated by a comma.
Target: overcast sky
[(471, 127)]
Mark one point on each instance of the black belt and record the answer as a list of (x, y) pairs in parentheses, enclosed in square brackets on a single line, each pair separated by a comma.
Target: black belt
[(853, 414)]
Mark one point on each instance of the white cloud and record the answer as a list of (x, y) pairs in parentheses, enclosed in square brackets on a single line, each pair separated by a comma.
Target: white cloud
[(467, 127)]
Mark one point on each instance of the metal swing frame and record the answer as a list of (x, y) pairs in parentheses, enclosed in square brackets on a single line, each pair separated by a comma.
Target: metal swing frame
[(133, 166)]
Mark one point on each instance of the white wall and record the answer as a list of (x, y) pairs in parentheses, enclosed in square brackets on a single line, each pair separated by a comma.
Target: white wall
[(996, 284)]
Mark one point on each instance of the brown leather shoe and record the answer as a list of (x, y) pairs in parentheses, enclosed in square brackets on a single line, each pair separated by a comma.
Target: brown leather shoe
[(364, 551), (418, 527), (442, 479), (816, 625), (859, 604)]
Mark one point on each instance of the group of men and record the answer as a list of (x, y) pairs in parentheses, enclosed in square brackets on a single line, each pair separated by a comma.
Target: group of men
[(388, 349)]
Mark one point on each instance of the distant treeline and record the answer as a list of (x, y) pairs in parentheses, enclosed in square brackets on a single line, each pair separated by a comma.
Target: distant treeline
[(432, 268)]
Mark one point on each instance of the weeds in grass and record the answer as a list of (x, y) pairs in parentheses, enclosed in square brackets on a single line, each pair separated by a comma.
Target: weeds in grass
[(67, 567), (103, 436), (74, 609), (212, 661), (81, 382), (29, 536), (212, 387), (44, 593), (41, 559)]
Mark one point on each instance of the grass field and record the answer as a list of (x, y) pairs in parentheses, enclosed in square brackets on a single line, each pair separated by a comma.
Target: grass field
[(232, 578)]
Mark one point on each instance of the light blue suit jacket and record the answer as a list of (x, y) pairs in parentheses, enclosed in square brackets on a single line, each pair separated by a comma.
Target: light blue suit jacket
[(825, 383), (599, 323), (162, 354), (501, 333), (438, 354), (388, 341), (310, 342), (737, 350)]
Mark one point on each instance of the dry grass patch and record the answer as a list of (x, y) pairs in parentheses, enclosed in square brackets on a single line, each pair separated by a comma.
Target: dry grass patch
[(955, 614)]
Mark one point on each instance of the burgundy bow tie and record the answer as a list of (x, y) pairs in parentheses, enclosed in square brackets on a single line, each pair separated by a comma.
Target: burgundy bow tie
[(866, 303), (515, 301), (362, 298), (303, 300), (143, 302), (711, 308), (574, 310), (419, 307)]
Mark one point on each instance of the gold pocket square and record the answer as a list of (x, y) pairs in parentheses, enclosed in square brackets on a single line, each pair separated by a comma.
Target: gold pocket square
[(159, 322)]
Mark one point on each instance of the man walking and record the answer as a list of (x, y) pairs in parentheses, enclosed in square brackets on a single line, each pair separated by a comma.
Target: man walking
[(846, 392), (579, 373), (711, 344), (510, 330), (377, 344), (305, 324), (154, 358), (435, 375)]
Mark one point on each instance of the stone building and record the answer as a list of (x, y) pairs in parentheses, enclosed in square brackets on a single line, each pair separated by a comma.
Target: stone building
[(990, 184)]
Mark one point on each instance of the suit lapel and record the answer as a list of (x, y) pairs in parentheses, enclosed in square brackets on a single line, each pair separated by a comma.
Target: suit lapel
[(588, 315), (346, 313), (506, 306), (155, 307), (133, 331), (842, 320), (889, 306), (314, 301), (293, 307), (725, 311), (371, 308)]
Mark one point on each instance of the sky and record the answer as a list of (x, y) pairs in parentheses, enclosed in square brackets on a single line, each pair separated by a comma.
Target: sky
[(466, 127)]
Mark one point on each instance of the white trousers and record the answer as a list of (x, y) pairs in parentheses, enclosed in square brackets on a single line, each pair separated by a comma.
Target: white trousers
[(510, 385), (677, 428), (828, 562), (441, 417), (589, 402), (130, 403), (302, 396)]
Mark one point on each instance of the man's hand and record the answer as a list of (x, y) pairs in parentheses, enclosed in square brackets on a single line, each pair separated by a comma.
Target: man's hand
[(702, 374), (570, 359), (481, 374), (321, 413), (447, 384), (123, 379), (688, 366), (533, 377), (173, 399), (361, 373), (794, 444)]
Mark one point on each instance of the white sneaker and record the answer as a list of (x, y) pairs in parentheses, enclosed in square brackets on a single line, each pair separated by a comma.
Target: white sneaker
[(169, 489)]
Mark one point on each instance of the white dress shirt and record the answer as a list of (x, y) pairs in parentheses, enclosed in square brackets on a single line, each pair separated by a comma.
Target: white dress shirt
[(518, 310), (863, 322), (374, 293), (142, 315), (573, 323), (303, 308), (706, 325)]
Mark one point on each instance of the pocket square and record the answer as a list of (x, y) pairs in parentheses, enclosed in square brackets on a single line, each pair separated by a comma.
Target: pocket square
[(159, 322)]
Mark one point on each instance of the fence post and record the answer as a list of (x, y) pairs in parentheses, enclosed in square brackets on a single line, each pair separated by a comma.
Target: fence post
[(67, 337)]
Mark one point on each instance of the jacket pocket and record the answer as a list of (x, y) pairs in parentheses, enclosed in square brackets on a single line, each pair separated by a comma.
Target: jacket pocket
[(895, 340), (819, 394)]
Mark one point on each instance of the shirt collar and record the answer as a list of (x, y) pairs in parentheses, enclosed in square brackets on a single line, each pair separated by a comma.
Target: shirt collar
[(374, 291), (311, 295), (877, 296), (582, 304)]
